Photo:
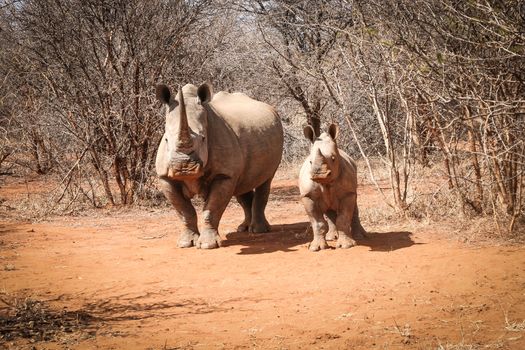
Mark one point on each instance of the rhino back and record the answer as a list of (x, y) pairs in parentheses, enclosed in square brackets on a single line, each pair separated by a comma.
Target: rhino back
[(259, 138)]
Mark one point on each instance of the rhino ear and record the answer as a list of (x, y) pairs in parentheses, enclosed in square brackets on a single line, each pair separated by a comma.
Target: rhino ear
[(309, 133), (333, 131), (163, 93), (205, 92)]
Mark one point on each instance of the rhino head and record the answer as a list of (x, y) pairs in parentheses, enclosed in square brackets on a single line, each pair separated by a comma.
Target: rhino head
[(324, 155), (183, 152)]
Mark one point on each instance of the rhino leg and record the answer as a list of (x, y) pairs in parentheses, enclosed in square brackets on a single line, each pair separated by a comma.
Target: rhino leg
[(220, 193), (331, 217), (260, 198), (344, 221), (319, 224), (185, 210), (245, 200), (358, 232)]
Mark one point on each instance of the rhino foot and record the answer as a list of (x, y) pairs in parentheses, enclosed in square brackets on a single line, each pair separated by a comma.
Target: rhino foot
[(187, 239), (260, 227), (331, 235), (209, 239), (318, 244), (243, 227), (345, 242)]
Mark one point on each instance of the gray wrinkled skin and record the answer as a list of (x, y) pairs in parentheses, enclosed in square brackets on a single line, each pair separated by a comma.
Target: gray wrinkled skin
[(328, 187), (217, 146)]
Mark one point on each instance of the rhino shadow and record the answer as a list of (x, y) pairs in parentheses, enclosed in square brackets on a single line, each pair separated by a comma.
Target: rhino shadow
[(283, 238), (289, 238), (387, 241)]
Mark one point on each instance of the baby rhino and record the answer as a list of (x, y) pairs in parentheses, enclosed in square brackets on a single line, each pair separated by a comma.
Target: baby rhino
[(328, 187)]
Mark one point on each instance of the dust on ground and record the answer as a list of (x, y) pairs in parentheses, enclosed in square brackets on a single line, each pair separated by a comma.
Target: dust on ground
[(117, 281)]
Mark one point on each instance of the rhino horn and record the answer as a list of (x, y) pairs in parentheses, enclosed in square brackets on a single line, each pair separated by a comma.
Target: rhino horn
[(184, 137), (319, 154)]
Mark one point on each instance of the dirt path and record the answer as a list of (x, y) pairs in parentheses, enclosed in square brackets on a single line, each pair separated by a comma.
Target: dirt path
[(397, 290)]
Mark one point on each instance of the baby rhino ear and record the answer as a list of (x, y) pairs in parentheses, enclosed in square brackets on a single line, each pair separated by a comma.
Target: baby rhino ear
[(333, 131), (309, 133)]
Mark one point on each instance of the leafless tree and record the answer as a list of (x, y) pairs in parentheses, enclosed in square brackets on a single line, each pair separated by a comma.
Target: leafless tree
[(303, 35), (469, 63), (98, 62), (415, 82)]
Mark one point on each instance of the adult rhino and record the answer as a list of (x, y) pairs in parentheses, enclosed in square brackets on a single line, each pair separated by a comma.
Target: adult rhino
[(328, 188), (217, 146)]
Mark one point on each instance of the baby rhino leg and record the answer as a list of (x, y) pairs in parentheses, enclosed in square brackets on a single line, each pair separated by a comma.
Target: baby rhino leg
[(319, 225), (344, 221), (358, 232), (331, 217)]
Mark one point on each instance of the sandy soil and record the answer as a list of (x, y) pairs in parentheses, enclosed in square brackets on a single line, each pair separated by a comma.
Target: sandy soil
[(404, 287)]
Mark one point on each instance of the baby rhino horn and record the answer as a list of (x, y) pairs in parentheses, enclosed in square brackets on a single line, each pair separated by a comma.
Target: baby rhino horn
[(319, 154)]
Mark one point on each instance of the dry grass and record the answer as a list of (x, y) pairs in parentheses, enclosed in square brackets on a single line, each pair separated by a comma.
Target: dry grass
[(513, 326), (463, 346), (28, 318)]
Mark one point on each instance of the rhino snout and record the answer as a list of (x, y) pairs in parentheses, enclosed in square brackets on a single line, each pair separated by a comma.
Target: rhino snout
[(321, 175), (324, 173), (321, 172), (184, 166)]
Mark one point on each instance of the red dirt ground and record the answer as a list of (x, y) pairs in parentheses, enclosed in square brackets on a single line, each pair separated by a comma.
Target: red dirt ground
[(405, 287)]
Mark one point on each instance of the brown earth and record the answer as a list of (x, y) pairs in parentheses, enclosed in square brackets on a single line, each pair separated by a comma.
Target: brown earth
[(405, 287)]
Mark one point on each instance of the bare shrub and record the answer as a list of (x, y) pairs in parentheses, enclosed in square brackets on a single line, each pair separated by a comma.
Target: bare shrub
[(32, 319), (97, 65), (414, 85)]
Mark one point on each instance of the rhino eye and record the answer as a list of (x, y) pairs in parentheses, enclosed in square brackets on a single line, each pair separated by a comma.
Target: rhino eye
[(166, 139)]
